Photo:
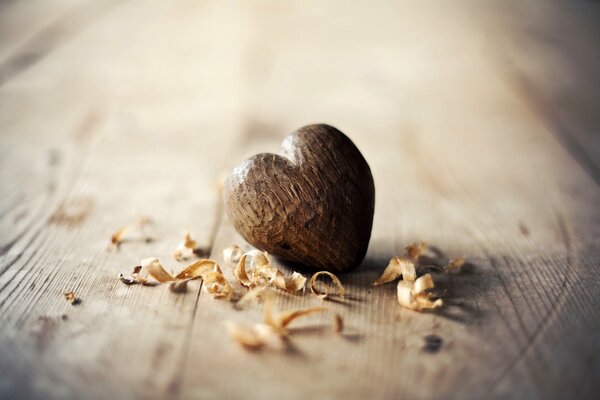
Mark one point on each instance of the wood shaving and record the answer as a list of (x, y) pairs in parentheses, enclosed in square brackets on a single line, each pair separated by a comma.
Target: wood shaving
[(198, 268), (206, 269), (156, 270), (254, 269), (280, 321), (71, 298), (414, 251), (274, 325), (292, 283), (137, 276), (252, 338), (321, 290), (232, 254), (117, 238), (417, 295), (120, 234), (455, 266), (398, 266), (185, 248), (258, 259), (215, 283)]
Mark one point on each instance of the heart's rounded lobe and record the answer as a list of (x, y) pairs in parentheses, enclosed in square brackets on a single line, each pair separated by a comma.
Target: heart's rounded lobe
[(311, 204)]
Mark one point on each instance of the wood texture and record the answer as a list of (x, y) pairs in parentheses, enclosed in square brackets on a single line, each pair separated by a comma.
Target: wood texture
[(467, 114), (312, 205)]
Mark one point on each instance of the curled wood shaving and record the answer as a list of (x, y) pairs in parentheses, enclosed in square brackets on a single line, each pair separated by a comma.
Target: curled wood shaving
[(260, 272), (398, 266), (319, 288), (185, 248), (216, 284), (292, 283), (258, 259), (414, 251), (455, 266), (210, 272), (198, 268), (280, 321), (156, 270), (232, 254), (139, 225), (274, 325), (417, 295)]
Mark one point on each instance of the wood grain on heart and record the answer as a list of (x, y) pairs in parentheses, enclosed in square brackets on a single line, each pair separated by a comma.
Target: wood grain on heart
[(311, 204)]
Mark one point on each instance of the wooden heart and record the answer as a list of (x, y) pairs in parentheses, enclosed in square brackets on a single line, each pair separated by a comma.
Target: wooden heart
[(312, 205)]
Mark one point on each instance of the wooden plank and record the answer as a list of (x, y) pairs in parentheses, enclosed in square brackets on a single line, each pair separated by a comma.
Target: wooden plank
[(475, 174), (109, 139)]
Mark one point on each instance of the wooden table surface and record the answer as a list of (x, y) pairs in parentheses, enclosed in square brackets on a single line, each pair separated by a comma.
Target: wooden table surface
[(479, 121)]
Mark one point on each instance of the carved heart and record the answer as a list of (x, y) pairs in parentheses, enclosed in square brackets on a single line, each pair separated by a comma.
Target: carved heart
[(312, 205)]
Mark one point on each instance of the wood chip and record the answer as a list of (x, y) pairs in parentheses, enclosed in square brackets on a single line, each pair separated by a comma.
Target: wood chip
[(414, 251), (118, 237), (455, 266), (323, 291), (71, 298)]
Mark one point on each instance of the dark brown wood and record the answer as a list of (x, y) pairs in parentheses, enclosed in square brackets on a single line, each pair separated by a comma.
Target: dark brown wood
[(312, 205)]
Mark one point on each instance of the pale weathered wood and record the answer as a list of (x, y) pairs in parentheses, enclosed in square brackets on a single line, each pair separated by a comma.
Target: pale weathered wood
[(144, 111), (103, 137), (458, 161)]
